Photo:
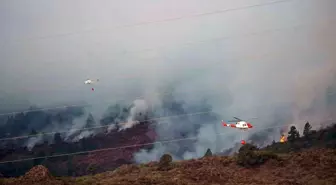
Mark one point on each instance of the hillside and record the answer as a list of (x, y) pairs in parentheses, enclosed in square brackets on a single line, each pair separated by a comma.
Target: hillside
[(309, 167), (98, 162), (85, 163), (306, 160), (37, 124)]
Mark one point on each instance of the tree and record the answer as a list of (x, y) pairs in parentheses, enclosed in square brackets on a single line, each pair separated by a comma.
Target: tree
[(90, 122), (208, 153), (33, 132), (57, 138), (165, 162), (91, 169), (273, 142), (293, 134), (70, 166), (249, 155), (307, 129), (39, 158), (246, 155)]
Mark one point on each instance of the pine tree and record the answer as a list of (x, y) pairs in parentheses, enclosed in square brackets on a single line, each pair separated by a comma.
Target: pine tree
[(70, 166), (293, 134), (307, 129), (165, 162), (33, 132), (91, 169), (57, 138), (208, 153), (90, 122)]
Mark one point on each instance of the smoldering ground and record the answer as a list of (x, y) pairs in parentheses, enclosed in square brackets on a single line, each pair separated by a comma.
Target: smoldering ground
[(273, 62)]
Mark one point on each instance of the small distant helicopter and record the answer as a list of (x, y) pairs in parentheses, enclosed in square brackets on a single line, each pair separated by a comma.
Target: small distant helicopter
[(238, 124), (89, 81)]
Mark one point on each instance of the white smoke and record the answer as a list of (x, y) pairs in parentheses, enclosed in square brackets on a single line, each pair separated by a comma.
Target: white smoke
[(247, 76), (33, 141), (137, 113), (111, 127), (75, 129)]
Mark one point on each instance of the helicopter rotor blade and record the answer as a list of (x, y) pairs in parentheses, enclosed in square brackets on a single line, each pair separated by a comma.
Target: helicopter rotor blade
[(233, 121), (237, 119)]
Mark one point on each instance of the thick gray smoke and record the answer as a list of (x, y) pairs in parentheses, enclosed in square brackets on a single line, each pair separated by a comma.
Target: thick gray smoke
[(273, 62)]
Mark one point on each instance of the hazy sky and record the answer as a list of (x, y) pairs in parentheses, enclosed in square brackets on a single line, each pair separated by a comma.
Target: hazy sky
[(269, 55)]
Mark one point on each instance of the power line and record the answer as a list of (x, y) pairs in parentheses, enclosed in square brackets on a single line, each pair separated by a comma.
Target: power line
[(160, 21), (129, 146), (43, 109), (89, 128), (99, 150), (72, 130), (62, 107), (97, 127), (267, 31), (121, 147)]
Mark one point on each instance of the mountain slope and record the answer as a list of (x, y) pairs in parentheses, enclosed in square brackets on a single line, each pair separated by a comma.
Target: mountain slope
[(310, 167)]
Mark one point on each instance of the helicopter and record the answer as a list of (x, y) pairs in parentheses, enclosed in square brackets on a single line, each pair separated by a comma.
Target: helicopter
[(238, 124), (89, 81)]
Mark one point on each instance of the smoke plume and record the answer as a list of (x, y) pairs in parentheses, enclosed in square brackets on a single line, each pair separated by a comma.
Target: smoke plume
[(274, 62)]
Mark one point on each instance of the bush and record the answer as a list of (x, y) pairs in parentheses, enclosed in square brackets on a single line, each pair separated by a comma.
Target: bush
[(127, 169), (264, 156), (247, 147), (208, 153), (91, 169), (165, 162), (249, 156)]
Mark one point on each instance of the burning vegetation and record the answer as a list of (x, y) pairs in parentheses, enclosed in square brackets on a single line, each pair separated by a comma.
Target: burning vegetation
[(283, 138)]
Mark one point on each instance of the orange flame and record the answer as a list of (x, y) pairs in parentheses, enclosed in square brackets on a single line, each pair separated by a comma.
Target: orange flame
[(282, 139)]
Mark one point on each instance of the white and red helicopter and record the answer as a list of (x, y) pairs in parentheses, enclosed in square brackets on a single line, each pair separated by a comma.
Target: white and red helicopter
[(89, 82), (239, 124)]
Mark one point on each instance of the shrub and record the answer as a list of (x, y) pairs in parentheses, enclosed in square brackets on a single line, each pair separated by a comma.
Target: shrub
[(247, 147), (264, 156), (165, 162), (127, 169), (249, 156), (208, 153), (91, 169)]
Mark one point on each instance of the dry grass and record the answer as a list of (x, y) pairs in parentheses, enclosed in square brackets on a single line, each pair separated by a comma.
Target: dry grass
[(311, 167)]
